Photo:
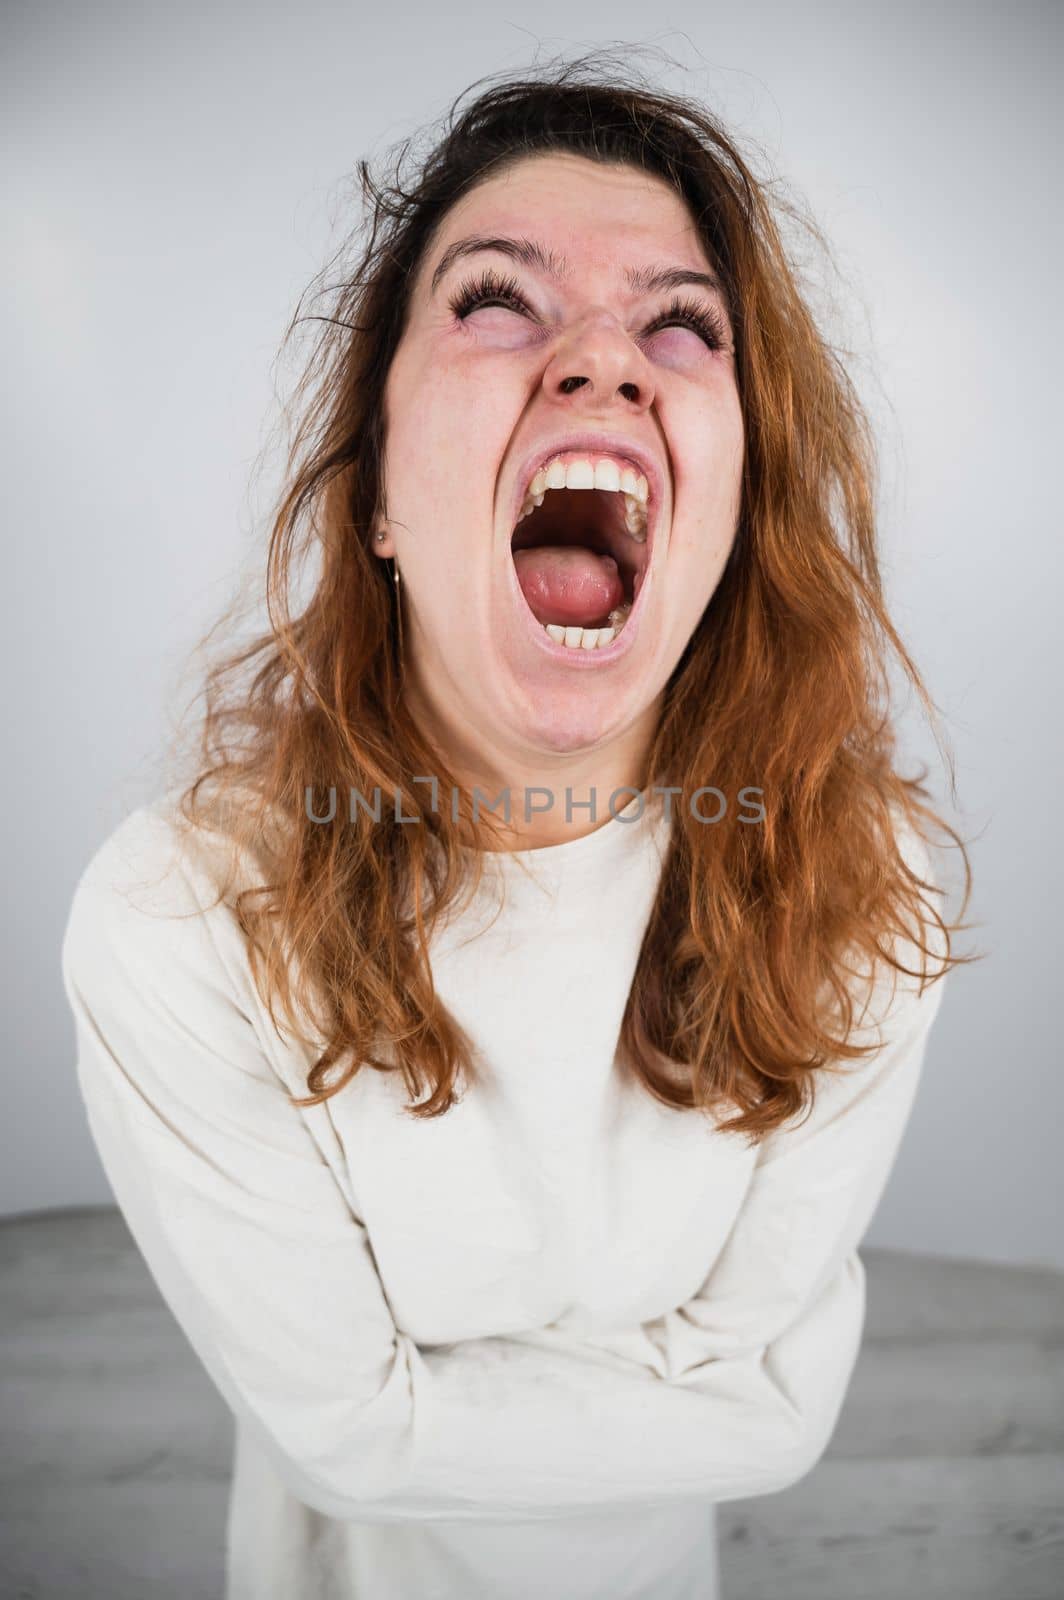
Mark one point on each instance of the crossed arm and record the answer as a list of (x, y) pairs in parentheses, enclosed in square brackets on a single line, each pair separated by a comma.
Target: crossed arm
[(271, 1276)]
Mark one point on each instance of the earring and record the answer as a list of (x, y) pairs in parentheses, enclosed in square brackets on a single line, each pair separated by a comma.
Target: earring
[(398, 607), (380, 535)]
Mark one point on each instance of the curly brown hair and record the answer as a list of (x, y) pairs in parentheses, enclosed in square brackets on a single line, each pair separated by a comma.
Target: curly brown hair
[(753, 928)]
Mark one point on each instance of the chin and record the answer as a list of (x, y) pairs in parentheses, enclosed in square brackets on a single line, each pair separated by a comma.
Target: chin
[(562, 723)]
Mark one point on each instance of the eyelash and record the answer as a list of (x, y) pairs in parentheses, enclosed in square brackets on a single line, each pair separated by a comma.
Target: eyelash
[(707, 323)]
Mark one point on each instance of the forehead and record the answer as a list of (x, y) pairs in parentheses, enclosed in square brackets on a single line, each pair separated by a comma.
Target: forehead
[(591, 213)]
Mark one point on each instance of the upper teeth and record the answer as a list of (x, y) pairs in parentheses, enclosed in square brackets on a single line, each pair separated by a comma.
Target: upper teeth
[(602, 473)]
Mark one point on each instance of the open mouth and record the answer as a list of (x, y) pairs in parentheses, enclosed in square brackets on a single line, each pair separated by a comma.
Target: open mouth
[(580, 549)]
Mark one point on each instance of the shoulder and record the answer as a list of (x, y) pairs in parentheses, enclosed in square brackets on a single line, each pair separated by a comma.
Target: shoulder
[(914, 848), (899, 998), (148, 915), (862, 1102), (157, 972), (922, 861)]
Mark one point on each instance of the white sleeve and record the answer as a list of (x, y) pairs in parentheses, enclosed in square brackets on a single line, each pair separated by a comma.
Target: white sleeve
[(771, 1339), (270, 1274)]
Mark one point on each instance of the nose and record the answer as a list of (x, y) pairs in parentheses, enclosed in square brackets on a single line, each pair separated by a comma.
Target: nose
[(601, 367)]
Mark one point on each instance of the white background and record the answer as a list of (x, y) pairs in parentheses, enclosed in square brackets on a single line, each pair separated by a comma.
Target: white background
[(174, 178)]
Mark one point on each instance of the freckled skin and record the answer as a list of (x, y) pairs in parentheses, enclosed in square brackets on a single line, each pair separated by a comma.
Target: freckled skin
[(466, 402)]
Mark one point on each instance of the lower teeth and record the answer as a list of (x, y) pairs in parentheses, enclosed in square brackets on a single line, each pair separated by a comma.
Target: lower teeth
[(590, 638)]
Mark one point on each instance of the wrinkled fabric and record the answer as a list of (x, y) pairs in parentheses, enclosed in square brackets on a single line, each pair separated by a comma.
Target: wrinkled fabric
[(524, 1348)]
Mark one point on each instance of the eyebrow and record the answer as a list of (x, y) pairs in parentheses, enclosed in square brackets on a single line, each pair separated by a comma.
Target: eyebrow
[(644, 280)]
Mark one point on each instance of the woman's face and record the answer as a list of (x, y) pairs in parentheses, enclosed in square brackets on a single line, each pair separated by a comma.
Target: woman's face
[(580, 361)]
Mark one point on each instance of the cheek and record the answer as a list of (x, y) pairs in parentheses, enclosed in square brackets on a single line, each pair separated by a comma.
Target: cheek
[(725, 423), (733, 446), (456, 406), (709, 466), (449, 424)]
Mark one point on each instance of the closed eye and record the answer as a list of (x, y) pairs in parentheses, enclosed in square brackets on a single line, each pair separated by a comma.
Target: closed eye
[(702, 319), (488, 289), (492, 289)]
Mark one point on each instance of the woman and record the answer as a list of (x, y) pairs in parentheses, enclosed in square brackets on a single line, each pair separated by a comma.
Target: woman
[(500, 1048)]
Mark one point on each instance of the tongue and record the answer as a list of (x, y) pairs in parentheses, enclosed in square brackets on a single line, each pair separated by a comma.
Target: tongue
[(568, 584)]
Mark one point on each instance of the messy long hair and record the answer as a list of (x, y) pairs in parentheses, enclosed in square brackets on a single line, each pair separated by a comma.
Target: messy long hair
[(743, 989)]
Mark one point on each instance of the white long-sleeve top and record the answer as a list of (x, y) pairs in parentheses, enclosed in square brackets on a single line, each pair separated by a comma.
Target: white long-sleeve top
[(521, 1349)]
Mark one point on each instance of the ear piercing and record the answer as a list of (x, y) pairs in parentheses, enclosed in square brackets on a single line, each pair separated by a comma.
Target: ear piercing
[(382, 534)]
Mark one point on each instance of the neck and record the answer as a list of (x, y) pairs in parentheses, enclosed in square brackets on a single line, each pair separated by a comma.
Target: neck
[(554, 796)]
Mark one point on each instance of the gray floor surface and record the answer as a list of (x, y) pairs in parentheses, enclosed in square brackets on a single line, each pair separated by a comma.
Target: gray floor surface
[(945, 1477)]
